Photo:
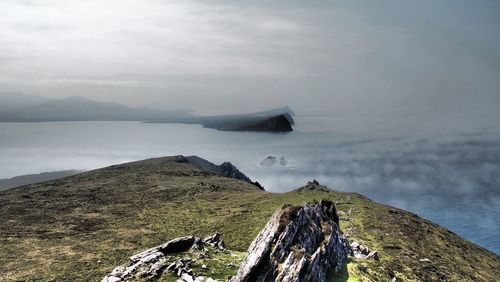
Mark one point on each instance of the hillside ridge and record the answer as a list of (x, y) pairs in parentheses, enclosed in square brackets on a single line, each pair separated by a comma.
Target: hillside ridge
[(81, 226)]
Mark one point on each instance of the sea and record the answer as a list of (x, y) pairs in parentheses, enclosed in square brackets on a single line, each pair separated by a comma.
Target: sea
[(447, 171)]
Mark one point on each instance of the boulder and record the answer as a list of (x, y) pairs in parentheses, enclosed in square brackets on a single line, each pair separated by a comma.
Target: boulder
[(177, 245), (362, 252), (297, 244)]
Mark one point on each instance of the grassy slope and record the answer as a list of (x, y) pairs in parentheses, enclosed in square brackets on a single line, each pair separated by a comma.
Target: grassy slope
[(80, 227)]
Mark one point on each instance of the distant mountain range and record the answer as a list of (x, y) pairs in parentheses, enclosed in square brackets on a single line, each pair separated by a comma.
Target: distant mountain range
[(27, 108), (10, 101), (16, 107)]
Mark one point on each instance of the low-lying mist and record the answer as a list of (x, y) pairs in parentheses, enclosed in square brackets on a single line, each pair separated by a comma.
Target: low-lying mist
[(446, 174)]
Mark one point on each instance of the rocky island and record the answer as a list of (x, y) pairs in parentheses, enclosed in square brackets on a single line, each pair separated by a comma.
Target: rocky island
[(275, 120), (175, 219)]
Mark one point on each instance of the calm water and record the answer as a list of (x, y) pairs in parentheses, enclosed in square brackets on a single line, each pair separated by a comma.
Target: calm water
[(448, 175)]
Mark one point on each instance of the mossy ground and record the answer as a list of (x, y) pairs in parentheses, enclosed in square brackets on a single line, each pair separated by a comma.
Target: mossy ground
[(80, 227)]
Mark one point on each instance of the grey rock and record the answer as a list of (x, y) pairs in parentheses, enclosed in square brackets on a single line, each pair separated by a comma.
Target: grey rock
[(187, 278), (215, 241), (177, 245), (118, 271), (171, 267), (362, 252), (111, 279), (225, 169), (151, 264), (148, 252), (198, 244), (297, 244)]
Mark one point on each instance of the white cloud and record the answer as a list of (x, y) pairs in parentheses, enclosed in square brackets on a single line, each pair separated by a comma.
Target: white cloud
[(78, 38)]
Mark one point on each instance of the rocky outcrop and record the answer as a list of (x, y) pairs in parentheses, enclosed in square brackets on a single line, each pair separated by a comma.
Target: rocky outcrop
[(267, 123), (226, 169), (279, 123), (297, 244), (152, 263)]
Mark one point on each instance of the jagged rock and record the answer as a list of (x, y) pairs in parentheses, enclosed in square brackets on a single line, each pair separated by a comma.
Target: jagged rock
[(362, 252), (297, 244), (312, 184), (226, 169), (215, 241)]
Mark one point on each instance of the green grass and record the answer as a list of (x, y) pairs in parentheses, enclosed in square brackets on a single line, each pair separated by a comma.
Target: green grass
[(81, 227)]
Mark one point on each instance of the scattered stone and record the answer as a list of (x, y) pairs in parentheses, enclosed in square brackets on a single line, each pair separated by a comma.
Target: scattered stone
[(215, 241), (297, 244), (425, 260), (362, 252), (152, 263)]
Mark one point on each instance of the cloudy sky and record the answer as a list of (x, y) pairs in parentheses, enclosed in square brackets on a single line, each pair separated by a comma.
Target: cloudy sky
[(317, 56)]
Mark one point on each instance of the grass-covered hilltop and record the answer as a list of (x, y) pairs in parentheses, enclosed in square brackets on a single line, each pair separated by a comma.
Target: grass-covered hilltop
[(81, 227)]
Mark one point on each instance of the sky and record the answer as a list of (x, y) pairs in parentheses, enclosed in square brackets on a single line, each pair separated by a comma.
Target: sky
[(319, 57)]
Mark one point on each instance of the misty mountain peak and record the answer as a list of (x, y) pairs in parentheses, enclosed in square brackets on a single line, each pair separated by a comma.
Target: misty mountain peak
[(78, 98)]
